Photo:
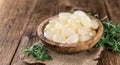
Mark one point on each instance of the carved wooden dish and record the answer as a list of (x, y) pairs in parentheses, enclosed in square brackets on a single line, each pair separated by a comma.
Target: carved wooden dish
[(72, 47)]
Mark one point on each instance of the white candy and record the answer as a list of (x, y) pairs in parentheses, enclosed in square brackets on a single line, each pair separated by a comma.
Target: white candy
[(59, 25), (73, 38), (71, 28), (94, 24), (48, 27), (92, 33), (86, 21), (64, 16), (55, 30), (83, 31), (85, 38), (67, 31), (74, 23), (54, 20), (59, 38), (48, 35)]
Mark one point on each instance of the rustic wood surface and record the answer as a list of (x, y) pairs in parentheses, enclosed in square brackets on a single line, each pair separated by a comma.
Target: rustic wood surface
[(19, 20)]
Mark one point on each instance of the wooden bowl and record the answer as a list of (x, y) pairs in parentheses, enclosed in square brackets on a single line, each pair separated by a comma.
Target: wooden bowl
[(72, 47)]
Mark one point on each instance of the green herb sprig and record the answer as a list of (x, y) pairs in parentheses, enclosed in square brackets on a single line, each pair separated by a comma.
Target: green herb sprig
[(111, 36), (38, 52)]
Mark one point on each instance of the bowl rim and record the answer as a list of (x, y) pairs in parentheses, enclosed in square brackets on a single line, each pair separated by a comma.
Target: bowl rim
[(42, 25)]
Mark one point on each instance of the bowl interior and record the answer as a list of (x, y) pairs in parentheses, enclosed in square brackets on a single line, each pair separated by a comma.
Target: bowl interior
[(90, 42)]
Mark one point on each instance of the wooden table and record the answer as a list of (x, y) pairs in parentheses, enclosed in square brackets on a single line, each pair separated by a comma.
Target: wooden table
[(19, 20)]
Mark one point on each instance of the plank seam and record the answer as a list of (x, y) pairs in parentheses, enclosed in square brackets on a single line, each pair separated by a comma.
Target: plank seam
[(107, 12), (21, 36)]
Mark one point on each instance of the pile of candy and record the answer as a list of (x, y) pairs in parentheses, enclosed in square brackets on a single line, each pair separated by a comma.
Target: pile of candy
[(71, 28)]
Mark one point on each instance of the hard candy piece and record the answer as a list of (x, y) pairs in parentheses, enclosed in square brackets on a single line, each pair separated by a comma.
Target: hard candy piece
[(74, 23), (54, 20), (85, 20), (83, 31), (48, 35), (73, 38), (67, 31), (85, 38), (59, 38), (64, 16), (92, 33), (94, 24)]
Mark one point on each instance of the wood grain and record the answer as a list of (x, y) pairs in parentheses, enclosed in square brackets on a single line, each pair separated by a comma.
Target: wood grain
[(19, 20), (41, 12), (14, 15), (113, 8)]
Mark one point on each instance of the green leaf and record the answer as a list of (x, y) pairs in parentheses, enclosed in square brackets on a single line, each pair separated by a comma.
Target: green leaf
[(111, 36), (38, 52)]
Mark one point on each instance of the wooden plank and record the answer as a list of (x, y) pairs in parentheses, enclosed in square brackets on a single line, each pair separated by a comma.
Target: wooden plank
[(47, 8), (40, 13), (14, 16), (113, 8)]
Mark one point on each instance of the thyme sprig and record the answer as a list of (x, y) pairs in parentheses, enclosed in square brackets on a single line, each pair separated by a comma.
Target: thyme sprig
[(38, 52), (111, 36)]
